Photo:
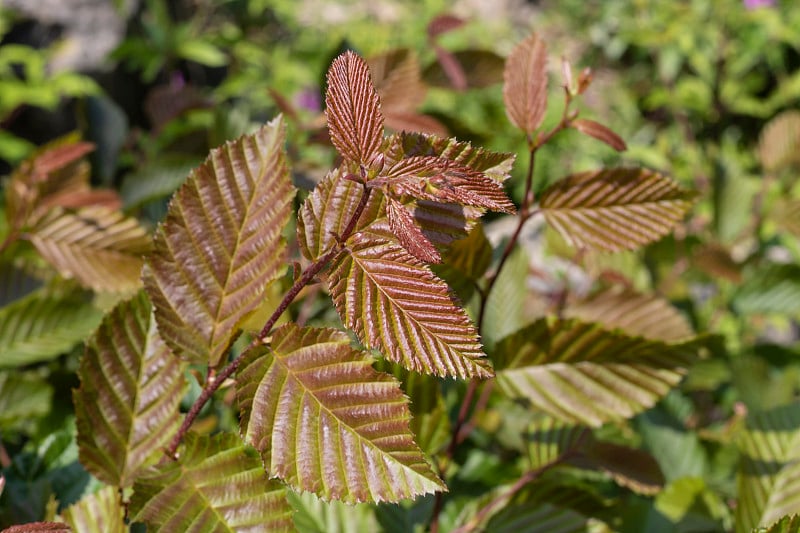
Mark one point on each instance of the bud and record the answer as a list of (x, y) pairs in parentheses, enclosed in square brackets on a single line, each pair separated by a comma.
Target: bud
[(566, 72), (584, 80)]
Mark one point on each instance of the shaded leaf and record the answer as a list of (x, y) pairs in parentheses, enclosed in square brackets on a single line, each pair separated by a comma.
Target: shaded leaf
[(325, 421), (716, 261), (769, 468), (402, 225), (774, 288), (314, 515), (396, 77), (100, 512), (15, 283), (99, 247), (505, 306), (464, 69), (221, 244), (42, 326), (353, 109), (635, 314), (465, 262), (582, 373), (551, 440), (779, 143), (218, 484), (395, 304), (631, 468), (525, 84), (131, 388), (155, 181), (677, 449), (23, 396), (787, 216), (600, 132), (615, 209)]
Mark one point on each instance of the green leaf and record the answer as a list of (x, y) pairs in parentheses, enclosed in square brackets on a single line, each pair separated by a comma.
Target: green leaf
[(582, 373), (774, 288), (787, 524), (769, 468), (395, 304), (615, 209), (314, 515), (691, 503), (201, 52), (218, 484), (677, 449), (221, 245), (505, 307), (99, 247), (131, 388), (779, 144), (155, 181), (525, 84), (23, 396), (42, 326), (465, 262), (100, 512), (325, 421), (15, 283), (550, 440)]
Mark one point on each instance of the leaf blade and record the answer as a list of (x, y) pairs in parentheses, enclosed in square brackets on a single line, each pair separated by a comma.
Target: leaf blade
[(525, 84)]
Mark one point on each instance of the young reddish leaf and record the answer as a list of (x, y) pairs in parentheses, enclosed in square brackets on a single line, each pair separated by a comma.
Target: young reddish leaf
[(221, 245), (408, 121), (779, 143), (100, 512), (599, 132), (395, 304), (325, 421), (217, 484), (99, 247), (127, 404), (397, 80), (451, 68), (443, 24), (39, 527), (353, 109), (615, 209), (525, 84), (402, 224)]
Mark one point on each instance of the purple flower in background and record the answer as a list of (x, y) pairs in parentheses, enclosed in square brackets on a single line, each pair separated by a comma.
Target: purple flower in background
[(755, 4), (309, 99)]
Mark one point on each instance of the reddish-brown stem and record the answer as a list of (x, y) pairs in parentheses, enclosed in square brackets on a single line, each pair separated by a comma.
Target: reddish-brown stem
[(213, 382)]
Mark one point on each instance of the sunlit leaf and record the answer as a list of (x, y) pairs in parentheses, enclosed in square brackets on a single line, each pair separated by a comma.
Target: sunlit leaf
[(101, 512), (582, 373), (787, 524), (779, 144), (99, 247), (42, 326), (615, 209), (600, 132), (221, 244), (397, 80), (525, 84), (769, 468), (353, 109), (689, 500), (325, 421), (395, 304), (771, 289), (218, 484), (131, 387), (401, 222), (39, 527)]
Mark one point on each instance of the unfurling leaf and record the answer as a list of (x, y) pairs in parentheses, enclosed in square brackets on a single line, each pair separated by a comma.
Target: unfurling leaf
[(98, 246), (582, 373), (221, 245), (127, 404), (101, 512), (325, 421), (396, 304), (600, 132), (615, 209), (779, 145), (353, 109), (218, 484), (525, 84)]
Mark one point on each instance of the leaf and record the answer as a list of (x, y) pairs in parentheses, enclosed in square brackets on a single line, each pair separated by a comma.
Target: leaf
[(397, 80), (42, 326), (551, 440), (221, 245), (787, 524), (525, 84), (16, 283), (100, 512), (691, 502), (402, 225), (23, 396), (579, 372), (155, 181), (788, 216), (443, 23), (325, 421), (99, 247), (677, 449), (716, 261), (218, 484), (774, 288), (39, 527), (769, 468), (395, 304), (599, 132), (631, 468), (131, 388), (779, 143), (505, 306), (636, 314), (615, 209), (353, 109), (314, 515), (464, 69)]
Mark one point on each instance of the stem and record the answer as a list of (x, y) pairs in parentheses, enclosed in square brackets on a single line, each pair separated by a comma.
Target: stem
[(213, 382)]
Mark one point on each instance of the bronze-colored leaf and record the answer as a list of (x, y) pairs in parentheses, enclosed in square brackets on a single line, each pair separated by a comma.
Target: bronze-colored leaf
[(402, 224), (353, 109), (716, 261), (39, 527), (221, 244), (600, 132), (629, 467), (525, 84), (464, 69), (443, 24), (408, 121), (615, 209), (397, 80), (779, 144)]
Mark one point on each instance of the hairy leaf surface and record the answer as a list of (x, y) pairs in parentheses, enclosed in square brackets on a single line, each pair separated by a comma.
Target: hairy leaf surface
[(325, 421), (769, 468), (353, 109), (615, 209), (582, 373), (218, 484), (98, 246), (42, 326), (525, 84), (396, 304), (100, 512), (131, 387), (221, 244)]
